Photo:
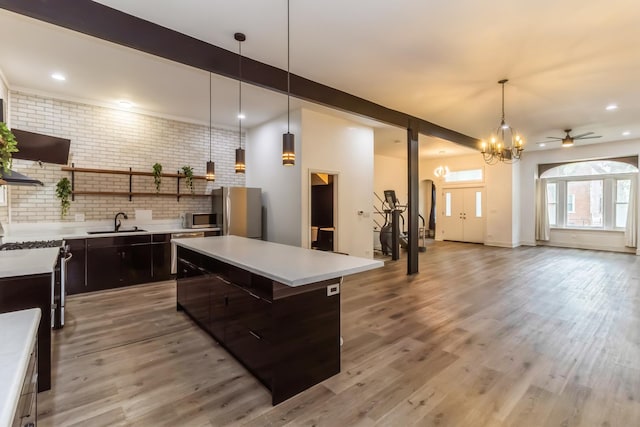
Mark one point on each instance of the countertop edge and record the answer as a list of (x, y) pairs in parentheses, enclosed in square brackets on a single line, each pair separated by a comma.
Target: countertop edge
[(10, 406), (292, 283)]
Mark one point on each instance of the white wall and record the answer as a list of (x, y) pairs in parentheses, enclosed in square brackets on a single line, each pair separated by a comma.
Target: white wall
[(281, 185), (528, 174), (338, 146), (390, 174)]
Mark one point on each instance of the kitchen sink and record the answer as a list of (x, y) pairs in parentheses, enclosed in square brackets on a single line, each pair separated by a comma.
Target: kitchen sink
[(122, 230)]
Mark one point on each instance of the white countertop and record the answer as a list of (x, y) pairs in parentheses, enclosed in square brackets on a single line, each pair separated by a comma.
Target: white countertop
[(289, 265), (60, 231), (28, 261), (18, 330)]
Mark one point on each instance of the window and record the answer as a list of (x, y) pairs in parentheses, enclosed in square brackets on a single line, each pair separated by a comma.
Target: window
[(478, 204), (571, 203), (590, 195), (584, 203), (623, 187), (447, 204), (469, 175)]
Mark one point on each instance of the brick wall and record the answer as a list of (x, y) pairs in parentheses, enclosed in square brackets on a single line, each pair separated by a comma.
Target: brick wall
[(112, 139)]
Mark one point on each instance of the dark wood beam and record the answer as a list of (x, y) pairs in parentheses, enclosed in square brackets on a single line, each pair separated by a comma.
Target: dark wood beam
[(414, 198), (109, 24)]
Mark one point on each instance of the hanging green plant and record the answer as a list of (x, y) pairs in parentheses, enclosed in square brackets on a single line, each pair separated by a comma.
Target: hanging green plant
[(8, 146), (157, 176), (188, 177), (63, 191)]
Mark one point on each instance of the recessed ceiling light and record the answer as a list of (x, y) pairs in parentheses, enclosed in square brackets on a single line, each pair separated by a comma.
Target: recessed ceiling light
[(542, 144), (442, 152), (612, 107), (125, 104), (242, 116), (58, 76), (626, 133)]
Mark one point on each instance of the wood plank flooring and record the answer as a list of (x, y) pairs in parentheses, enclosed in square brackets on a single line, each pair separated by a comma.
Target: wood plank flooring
[(480, 337)]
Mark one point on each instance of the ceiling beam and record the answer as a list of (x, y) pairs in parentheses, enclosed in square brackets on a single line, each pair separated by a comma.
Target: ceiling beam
[(109, 24)]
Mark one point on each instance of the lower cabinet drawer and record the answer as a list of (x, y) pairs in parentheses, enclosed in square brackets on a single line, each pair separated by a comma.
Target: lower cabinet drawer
[(251, 349)]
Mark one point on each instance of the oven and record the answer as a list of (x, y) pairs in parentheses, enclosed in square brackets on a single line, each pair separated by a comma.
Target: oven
[(58, 278)]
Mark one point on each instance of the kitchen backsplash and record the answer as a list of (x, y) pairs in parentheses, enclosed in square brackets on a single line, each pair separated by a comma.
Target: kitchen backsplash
[(107, 138)]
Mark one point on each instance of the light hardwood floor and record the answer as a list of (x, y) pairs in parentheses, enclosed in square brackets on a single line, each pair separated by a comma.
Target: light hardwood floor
[(480, 337)]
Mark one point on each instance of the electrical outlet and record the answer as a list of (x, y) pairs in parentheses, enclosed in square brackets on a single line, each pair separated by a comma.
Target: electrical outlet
[(333, 289)]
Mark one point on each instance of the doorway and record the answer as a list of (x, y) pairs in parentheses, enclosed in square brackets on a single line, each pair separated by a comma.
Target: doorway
[(462, 217), (323, 211)]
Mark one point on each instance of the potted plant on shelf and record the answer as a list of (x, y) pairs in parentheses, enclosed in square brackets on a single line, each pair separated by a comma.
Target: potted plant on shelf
[(8, 146), (63, 191), (188, 177), (157, 176)]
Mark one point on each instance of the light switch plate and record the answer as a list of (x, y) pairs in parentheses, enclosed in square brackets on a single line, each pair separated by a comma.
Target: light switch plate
[(333, 289)]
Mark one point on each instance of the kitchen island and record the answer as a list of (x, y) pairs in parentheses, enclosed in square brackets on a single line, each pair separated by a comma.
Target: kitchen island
[(275, 307)]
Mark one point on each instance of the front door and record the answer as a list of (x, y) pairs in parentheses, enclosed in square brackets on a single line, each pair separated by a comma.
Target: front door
[(463, 215)]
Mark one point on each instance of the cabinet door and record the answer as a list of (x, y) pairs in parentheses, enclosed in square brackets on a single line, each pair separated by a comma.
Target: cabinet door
[(136, 263), (246, 332), (103, 268), (76, 267), (220, 290), (161, 252)]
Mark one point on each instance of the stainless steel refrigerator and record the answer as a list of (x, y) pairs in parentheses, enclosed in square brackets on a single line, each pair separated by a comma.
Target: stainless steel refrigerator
[(238, 211)]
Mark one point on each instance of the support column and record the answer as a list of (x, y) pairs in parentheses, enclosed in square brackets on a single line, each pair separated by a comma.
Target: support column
[(412, 231)]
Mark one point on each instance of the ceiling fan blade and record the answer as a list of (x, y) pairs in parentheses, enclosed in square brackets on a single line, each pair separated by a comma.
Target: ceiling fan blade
[(582, 135), (588, 137), (555, 137)]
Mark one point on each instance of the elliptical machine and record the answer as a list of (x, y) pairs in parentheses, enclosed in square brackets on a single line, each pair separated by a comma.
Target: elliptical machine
[(392, 236)]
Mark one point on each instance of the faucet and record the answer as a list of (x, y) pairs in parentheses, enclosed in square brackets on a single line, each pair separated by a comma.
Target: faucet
[(116, 221)]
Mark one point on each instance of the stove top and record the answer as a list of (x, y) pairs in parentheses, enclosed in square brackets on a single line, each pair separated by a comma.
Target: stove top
[(36, 244)]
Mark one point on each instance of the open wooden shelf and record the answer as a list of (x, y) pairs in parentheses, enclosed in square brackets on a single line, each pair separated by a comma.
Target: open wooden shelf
[(126, 193), (131, 173), (126, 172)]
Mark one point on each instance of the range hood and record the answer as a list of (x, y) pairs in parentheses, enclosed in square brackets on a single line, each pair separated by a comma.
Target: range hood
[(15, 178), (36, 147)]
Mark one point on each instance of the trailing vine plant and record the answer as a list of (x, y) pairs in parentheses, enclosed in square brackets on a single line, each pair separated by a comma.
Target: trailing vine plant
[(188, 177), (63, 191), (157, 176), (8, 146)]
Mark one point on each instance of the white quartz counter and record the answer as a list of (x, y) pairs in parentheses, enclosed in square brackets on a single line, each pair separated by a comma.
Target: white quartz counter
[(81, 231), (289, 265), (18, 331), (28, 261)]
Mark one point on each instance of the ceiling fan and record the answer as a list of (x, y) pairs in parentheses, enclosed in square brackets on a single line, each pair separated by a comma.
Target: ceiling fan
[(567, 141)]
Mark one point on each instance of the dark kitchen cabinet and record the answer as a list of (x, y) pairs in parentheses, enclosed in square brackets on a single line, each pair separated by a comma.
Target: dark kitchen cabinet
[(288, 337), (34, 291), (76, 267), (118, 261), (161, 256)]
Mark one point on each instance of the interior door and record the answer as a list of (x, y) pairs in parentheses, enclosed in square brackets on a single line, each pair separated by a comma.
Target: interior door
[(463, 215)]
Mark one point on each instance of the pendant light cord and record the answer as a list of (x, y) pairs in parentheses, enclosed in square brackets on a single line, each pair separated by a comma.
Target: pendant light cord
[(288, 71), (210, 106), (240, 94)]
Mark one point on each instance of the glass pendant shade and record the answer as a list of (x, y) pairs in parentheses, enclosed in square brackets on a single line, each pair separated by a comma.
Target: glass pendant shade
[(288, 149), (240, 164), (211, 171)]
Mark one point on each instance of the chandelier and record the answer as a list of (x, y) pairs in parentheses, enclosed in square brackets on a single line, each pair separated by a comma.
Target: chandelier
[(505, 144)]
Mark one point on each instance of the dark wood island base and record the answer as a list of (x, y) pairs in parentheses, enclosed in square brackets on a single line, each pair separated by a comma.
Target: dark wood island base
[(287, 337)]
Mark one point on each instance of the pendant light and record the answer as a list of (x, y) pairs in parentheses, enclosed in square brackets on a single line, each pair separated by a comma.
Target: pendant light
[(240, 164), (211, 166), (505, 144), (288, 141)]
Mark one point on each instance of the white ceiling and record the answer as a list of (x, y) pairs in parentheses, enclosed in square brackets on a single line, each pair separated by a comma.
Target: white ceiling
[(440, 61)]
